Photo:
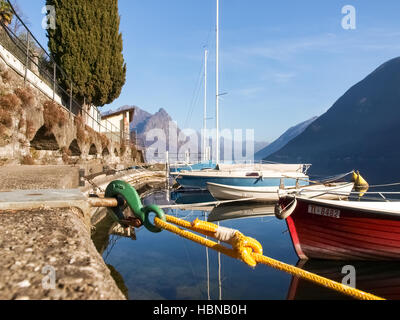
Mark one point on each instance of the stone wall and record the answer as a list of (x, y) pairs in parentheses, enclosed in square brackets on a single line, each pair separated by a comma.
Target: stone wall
[(36, 130)]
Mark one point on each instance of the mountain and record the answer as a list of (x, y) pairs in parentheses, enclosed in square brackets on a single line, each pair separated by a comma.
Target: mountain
[(284, 139), (259, 145), (140, 119), (360, 131), (145, 122)]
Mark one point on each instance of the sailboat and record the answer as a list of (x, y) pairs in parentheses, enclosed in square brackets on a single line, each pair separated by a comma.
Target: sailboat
[(249, 175), (206, 162)]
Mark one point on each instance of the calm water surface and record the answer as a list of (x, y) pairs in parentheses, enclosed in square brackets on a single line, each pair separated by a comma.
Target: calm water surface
[(164, 266)]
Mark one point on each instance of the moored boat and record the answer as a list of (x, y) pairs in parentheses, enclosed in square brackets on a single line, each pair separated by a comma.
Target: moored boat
[(271, 194), (259, 175), (342, 230), (178, 167)]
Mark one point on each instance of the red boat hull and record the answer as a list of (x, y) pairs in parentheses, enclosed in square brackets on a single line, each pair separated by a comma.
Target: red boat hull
[(343, 233)]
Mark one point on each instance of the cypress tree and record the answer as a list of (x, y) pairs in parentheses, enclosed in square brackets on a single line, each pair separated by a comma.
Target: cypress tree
[(6, 13), (87, 45)]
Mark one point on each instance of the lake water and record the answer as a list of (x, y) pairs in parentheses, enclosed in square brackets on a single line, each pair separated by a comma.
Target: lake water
[(165, 266)]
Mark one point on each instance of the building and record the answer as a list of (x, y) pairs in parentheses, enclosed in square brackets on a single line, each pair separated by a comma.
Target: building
[(118, 122)]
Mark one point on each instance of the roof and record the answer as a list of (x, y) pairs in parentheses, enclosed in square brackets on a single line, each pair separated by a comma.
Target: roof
[(121, 110)]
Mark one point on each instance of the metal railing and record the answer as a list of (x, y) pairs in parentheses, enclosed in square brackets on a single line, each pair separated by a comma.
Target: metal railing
[(38, 64), (191, 158)]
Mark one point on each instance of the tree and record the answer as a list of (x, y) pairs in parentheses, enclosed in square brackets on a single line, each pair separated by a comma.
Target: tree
[(87, 45), (16, 25), (6, 13)]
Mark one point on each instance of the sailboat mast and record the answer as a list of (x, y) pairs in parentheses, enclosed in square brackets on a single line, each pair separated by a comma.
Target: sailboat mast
[(205, 107), (217, 88)]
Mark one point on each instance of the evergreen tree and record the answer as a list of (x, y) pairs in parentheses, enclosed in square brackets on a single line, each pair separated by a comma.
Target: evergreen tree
[(6, 13), (87, 45)]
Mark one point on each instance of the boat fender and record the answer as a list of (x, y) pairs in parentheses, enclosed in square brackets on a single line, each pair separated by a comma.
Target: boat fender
[(284, 213), (359, 181)]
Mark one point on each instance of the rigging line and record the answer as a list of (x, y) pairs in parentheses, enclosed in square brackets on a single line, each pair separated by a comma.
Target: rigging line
[(337, 177), (113, 241), (219, 271), (196, 99), (385, 185), (196, 89), (208, 266), (198, 280), (199, 86)]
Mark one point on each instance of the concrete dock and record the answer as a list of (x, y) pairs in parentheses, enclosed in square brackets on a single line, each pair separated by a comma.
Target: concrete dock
[(45, 243)]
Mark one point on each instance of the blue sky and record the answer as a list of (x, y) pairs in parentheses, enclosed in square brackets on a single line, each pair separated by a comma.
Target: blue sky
[(282, 62)]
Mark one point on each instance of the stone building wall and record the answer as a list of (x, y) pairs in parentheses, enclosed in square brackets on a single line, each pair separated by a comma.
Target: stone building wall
[(37, 130)]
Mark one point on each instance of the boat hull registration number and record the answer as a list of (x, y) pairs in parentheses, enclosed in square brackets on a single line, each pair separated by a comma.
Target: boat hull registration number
[(326, 212)]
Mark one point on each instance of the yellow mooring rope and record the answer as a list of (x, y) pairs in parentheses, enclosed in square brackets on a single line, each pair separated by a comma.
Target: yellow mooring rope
[(249, 251)]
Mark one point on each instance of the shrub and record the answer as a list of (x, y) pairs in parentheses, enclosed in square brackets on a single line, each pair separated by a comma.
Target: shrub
[(10, 102), (91, 134), (28, 161), (53, 114), (6, 76), (105, 142), (3, 131), (26, 95), (66, 151), (6, 118), (65, 158), (80, 130)]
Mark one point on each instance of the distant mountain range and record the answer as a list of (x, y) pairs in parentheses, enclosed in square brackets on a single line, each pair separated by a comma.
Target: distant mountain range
[(283, 140), (144, 122), (360, 131), (260, 145)]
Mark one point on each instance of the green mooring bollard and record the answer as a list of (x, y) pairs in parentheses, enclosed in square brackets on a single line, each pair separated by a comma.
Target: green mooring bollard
[(124, 192)]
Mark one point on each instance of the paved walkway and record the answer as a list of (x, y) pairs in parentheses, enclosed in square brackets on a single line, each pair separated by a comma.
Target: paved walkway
[(39, 244), (45, 245)]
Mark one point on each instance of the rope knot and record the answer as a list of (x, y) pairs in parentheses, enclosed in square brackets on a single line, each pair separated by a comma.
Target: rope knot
[(246, 247)]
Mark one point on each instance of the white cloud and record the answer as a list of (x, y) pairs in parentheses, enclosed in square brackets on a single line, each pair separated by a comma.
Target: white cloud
[(283, 77)]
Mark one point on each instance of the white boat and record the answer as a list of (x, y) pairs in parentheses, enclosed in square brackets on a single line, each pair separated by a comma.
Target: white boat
[(333, 191), (253, 175)]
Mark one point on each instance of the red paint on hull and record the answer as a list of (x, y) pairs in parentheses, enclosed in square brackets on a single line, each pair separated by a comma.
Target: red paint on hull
[(356, 235)]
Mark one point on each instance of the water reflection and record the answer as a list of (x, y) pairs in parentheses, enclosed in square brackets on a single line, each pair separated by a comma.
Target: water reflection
[(164, 266), (379, 278), (191, 197), (240, 211)]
